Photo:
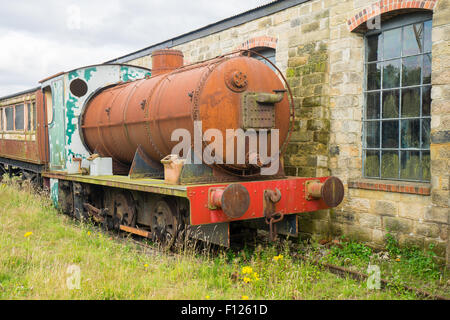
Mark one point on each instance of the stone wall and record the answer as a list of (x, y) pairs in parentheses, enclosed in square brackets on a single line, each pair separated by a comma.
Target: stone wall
[(440, 122), (324, 64)]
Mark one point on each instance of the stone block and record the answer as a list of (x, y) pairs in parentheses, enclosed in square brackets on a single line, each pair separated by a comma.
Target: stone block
[(437, 214), (369, 220), (344, 217), (378, 237), (411, 210), (429, 230), (359, 233), (407, 241), (398, 225), (297, 61), (385, 208)]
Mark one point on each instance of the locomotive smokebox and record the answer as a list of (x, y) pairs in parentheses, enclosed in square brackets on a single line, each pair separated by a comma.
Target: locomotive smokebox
[(225, 94)]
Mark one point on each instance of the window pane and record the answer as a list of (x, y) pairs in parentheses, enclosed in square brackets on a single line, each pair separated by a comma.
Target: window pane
[(389, 134), (411, 71), (373, 134), (426, 165), (374, 48), (426, 71), (373, 76), (390, 104), (392, 43), (9, 118), (372, 164), (389, 164), (1, 119), (410, 165), (34, 116), (410, 134), (373, 105), (427, 36), (411, 102), (19, 117), (412, 39), (29, 116), (425, 133), (426, 101), (391, 74)]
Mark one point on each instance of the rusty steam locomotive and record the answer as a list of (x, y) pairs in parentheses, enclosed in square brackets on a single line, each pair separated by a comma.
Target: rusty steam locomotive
[(102, 140)]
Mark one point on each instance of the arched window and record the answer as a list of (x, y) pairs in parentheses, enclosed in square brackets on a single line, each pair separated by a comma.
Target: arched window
[(263, 45), (268, 53), (397, 91)]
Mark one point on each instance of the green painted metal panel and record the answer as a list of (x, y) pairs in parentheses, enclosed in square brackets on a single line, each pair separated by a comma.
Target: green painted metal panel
[(57, 127)]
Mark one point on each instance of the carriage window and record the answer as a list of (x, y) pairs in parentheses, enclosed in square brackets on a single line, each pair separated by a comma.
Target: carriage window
[(9, 114), (19, 117), (1, 119), (28, 116), (397, 102)]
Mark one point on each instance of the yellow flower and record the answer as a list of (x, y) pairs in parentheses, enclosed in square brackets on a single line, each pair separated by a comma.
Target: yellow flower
[(207, 297), (247, 279), (146, 265), (244, 297), (89, 233), (278, 257), (28, 234), (248, 270), (256, 276)]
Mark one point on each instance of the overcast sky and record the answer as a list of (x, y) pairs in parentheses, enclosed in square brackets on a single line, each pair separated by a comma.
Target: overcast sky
[(41, 38)]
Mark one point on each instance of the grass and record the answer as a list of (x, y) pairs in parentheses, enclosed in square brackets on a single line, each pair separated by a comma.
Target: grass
[(410, 266), (40, 249)]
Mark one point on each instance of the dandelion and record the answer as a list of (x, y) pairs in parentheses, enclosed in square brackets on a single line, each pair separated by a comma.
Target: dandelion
[(88, 233), (244, 297), (26, 235), (278, 257), (207, 297), (247, 279), (146, 265), (247, 270)]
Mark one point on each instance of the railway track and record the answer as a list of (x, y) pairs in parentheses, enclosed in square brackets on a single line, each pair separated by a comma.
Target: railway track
[(340, 271)]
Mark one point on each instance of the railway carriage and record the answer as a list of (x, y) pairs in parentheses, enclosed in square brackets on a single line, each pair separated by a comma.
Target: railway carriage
[(102, 139)]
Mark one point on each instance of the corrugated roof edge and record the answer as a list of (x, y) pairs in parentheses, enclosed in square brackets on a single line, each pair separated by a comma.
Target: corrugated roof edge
[(221, 25), (19, 93)]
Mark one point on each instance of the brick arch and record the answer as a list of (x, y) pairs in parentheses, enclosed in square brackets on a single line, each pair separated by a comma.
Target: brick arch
[(387, 9), (262, 41)]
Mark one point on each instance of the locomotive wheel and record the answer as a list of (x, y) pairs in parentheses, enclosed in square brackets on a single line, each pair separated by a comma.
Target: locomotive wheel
[(164, 224), (124, 209)]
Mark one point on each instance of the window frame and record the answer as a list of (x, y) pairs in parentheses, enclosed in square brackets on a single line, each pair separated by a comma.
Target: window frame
[(27, 104), (1, 119), (401, 22)]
